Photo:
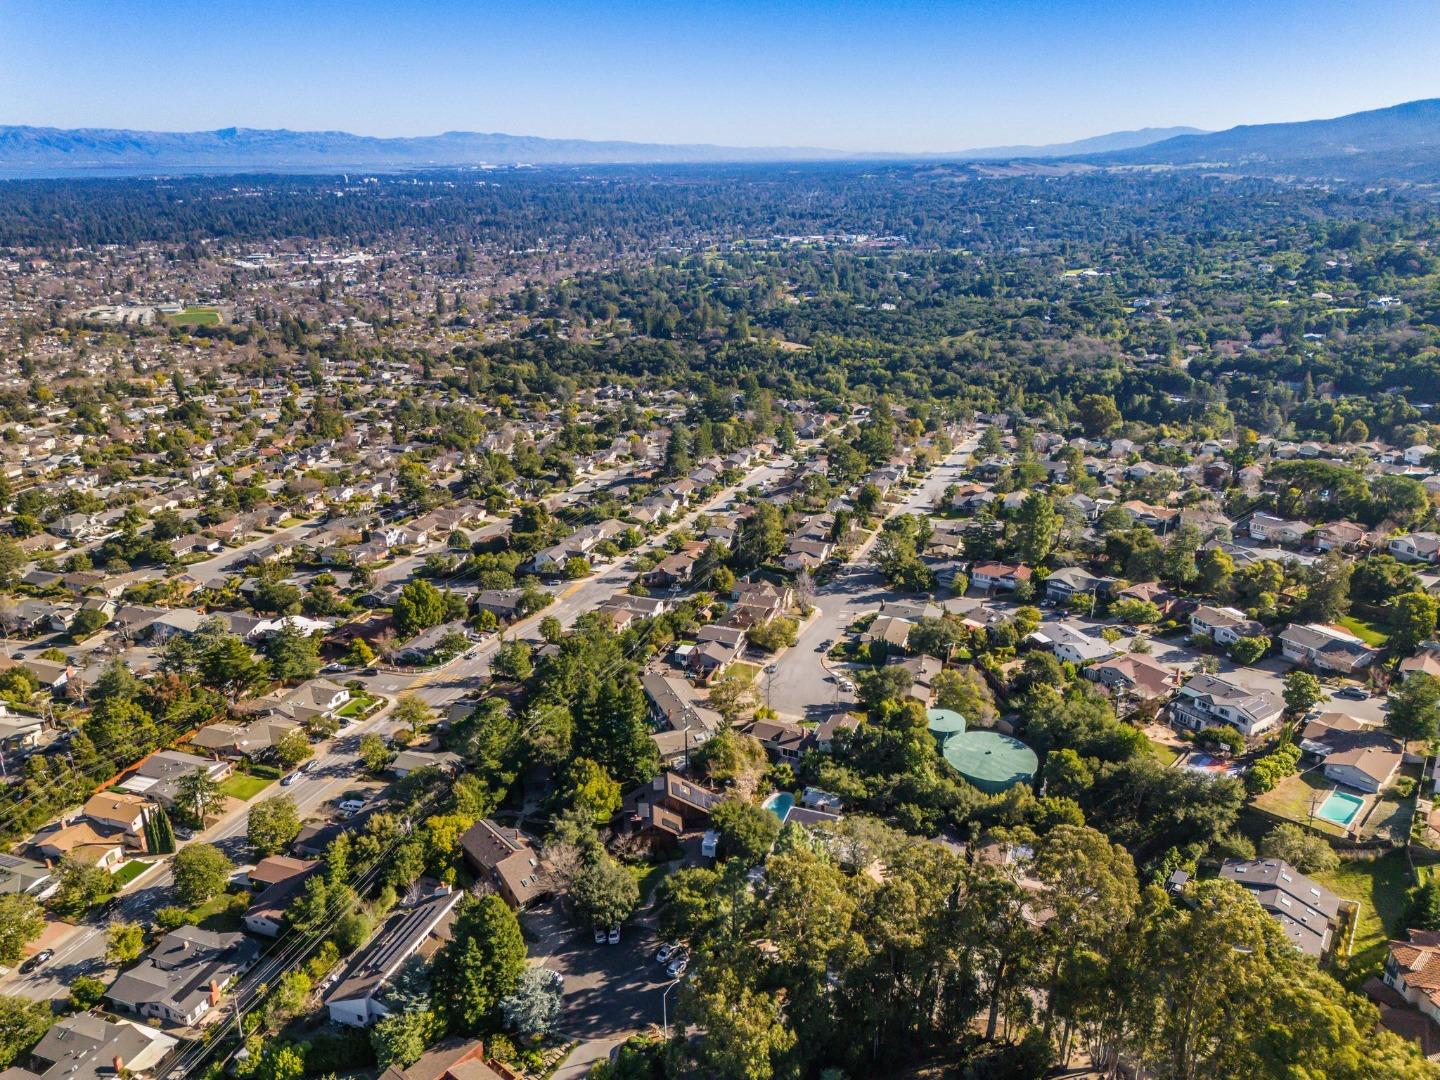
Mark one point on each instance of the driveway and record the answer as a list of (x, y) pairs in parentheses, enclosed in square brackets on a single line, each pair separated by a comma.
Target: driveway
[(611, 991)]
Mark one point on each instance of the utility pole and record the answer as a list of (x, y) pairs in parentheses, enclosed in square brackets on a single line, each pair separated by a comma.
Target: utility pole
[(664, 1014)]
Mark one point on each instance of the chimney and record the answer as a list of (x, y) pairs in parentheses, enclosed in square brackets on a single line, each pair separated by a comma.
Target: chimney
[(214, 993), (119, 1064)]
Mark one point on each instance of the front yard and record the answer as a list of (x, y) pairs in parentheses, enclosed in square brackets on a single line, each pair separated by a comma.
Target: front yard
[(243, 787)]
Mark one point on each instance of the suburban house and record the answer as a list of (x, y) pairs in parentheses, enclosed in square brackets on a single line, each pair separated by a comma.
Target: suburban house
[(716, 648), (408, 761), (667, 807), (1223, 625), (82, 841), (1274, 530), (1416, 547), (683, 718), (1356, 754), (252, 740), (1307, 912), (1071, 643), (452, 1059), (158, 776), (279, 881), (311, 700), (184, 976), (998, 576), (1427, 660), (1072, 581), (1208, 700), (889, 631), (1340, 536), (783, 740), (1412, 969), (506, 858), (420, 927), (1134, 675), (89, 1047), (1327, 647), (121, 812)]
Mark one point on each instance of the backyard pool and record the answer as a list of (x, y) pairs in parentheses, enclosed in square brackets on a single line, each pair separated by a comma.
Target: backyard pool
[(779, 804), (1340, 807)]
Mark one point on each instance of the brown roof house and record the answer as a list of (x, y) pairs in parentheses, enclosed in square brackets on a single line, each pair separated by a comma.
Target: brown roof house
[(279, 881), (453, 1059), (1412, 971), (507, 859), (667, 807)]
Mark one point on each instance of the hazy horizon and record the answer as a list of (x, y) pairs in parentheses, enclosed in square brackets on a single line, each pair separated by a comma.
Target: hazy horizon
[(909, 76)]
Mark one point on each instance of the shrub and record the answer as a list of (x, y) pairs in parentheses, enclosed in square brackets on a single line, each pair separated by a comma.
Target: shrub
[(1272, 768)]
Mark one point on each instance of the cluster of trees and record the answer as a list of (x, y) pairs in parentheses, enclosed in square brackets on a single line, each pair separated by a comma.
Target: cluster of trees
[(832, 965)]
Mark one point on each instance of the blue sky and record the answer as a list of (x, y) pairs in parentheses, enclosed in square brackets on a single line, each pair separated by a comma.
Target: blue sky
[(905, 75)]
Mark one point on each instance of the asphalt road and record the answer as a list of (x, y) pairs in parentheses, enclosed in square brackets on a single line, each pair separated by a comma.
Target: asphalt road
[(465, 675), (803, 687), (82, 951)]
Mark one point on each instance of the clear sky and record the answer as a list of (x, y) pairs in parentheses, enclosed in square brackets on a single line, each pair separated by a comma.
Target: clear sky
[(903, 75)]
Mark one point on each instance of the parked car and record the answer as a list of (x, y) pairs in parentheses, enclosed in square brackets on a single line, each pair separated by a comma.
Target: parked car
[(290, 778), (1353, 693), (677, 967), (599, 935), (36, 960), (667, 950), (184, 832), (350, 807), (613, 937)]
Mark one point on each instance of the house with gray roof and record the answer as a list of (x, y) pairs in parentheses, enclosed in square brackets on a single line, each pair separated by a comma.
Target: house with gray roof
[(423, 926), (184, 976), (1209, 700), (89, 1047), (1306, 911)]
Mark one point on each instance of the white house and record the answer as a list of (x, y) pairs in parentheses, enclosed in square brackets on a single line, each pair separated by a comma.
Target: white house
[(1209, 700), (1416, 547), (1223, 625), (1070, 642), (355, 1001)]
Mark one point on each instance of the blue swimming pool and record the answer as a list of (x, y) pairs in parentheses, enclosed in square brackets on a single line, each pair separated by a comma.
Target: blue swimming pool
[(1340, 807), (779, 804)]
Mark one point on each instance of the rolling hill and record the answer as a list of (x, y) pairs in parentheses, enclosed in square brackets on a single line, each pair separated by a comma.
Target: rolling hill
[(1399, 142)]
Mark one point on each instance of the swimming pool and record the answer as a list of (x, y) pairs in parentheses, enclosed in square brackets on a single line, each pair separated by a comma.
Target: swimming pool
[(1340, 807), (779, 804)]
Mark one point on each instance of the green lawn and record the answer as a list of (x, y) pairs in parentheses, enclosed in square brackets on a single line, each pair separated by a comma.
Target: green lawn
[(1381, 887), (221, 914), (245, 788), (355, 706), (1166, 754), (1295, 797), (128, 873), (1365, 631), (648, 876), (195, 316)]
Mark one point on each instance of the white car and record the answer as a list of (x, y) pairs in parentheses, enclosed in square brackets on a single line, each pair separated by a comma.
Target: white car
[(599, 935), (613, 937), (678, 966), (667, 950)]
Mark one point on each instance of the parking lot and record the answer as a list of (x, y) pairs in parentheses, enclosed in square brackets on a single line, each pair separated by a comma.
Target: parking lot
[(610, 990)]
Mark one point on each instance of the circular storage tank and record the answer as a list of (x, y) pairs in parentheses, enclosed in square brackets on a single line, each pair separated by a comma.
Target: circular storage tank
[(991, 761), (944, 723)]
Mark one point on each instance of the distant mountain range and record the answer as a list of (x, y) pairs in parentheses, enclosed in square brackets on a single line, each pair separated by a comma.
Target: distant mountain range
[(50, 151), (1401, 142)]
